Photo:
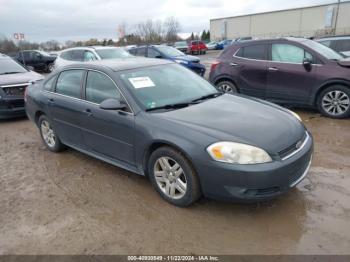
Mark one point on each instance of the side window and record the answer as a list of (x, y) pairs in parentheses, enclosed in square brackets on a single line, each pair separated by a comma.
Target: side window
[(49, 84), (141, 51), (343, 45), (152, 53), (66, 55), (77, 55), (69, 83), (326, 43), (89, 56), (26, 55), (289, 53), (99, 88), (252, 52), (132, 51)]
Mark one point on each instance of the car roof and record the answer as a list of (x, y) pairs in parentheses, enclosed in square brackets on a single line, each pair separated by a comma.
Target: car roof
[(268, 40), (334, 38), (119, 64), (89, 48)]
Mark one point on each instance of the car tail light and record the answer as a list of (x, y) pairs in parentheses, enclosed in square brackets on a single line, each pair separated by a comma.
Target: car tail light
[(214, 65)]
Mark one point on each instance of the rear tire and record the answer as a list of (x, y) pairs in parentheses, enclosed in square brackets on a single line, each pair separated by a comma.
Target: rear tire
[(334, 102), (49, 68), (227, 87), (49, 136), (173, 177)]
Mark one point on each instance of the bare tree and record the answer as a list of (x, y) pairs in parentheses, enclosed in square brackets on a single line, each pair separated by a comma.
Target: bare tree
[(172, 28)]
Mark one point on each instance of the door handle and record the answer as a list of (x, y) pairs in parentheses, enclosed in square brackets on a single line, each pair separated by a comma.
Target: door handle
[(88, 112), (51, 100), (233, 64), (273, 69)]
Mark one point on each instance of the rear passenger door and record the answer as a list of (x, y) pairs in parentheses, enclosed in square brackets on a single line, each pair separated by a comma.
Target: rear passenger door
[(249, 68), (66, 107)]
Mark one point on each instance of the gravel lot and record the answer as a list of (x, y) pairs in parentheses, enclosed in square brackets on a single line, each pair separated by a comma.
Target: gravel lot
[(69, 203)]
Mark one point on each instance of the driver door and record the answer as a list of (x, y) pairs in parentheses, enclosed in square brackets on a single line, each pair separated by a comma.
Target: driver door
[(107, 132)]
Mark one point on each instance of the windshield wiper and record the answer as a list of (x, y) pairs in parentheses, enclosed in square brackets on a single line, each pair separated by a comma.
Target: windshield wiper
[(8, 73), (169, 106), (213, 95)]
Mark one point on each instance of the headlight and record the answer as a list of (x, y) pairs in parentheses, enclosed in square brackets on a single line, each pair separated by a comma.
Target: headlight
[(296, 115), (236, 153), (181, 62)]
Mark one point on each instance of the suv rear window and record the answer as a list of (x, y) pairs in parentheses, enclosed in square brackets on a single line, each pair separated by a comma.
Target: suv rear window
[(252, 52)]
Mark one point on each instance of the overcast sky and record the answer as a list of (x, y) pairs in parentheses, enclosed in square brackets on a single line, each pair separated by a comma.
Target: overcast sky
[(42, 20)]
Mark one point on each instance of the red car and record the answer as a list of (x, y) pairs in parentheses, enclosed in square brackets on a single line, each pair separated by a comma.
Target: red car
[(197, 47)]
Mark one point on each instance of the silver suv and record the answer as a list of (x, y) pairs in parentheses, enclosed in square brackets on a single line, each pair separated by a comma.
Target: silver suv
[(91, 53)]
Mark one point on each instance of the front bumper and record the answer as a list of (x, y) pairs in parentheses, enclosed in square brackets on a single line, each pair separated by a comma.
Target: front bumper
[(253, 183), (12, 108)]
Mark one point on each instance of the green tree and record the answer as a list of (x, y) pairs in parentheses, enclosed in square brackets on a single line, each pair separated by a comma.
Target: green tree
[(192, 36)]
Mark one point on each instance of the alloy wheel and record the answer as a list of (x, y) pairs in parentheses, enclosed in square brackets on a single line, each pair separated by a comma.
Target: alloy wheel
[(336, 102), (170, 177), (226, 88), (48, 133)]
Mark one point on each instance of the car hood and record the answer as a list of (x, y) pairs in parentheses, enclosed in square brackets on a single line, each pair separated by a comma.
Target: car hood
[(19, 78), (238, 119), (344, 62), (188, 58)]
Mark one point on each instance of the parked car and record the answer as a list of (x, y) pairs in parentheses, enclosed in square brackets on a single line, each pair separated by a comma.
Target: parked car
[(14, 78), (170, 53), (290, 71), (197, 47), (39, 60), (341, 44), (224, 43), (181, 46), (85, 54), (155, 118), (213, 45)]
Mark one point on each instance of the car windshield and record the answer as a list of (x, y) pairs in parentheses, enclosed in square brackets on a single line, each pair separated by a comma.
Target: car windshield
[(170, 51), (8, 66), (212, 43), (111, 53), (183, 43), (162, 85), (323, 50)]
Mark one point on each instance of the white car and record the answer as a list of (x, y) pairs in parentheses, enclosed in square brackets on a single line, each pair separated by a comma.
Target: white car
[(91, 53)]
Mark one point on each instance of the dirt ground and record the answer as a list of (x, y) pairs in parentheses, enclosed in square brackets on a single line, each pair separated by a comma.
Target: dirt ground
[(69, 203)]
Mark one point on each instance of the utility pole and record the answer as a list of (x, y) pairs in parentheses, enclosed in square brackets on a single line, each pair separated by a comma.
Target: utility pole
[(336, 17)]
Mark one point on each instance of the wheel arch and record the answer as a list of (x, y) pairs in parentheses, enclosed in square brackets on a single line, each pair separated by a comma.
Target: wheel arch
[(37, 115), (328, 84), (226, 78), (158, 144)]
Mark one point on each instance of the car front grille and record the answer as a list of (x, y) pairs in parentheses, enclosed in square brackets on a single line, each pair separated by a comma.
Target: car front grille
[(15, 90), (294, 148)]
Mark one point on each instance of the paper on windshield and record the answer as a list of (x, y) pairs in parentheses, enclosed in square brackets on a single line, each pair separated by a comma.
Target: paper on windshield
[(141, 82)]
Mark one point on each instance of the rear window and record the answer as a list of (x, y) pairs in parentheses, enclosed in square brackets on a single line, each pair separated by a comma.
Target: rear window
[(69, 83), (252, 52)]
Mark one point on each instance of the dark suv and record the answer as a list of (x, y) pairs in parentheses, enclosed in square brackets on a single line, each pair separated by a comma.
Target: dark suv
[(292, 71), (39, 60)]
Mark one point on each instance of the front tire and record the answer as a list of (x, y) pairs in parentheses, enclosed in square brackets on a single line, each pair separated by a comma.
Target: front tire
[(49, 68), (173, 176), (334, 102), (49, 136), (227, 87)]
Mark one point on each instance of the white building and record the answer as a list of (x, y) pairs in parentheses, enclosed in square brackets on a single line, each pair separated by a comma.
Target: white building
[(306, 22)]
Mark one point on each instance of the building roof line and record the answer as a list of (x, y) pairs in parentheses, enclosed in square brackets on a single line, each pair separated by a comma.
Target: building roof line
[(281, 10)]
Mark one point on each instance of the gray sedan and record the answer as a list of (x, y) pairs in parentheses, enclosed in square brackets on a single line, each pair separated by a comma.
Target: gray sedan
[(160, 120)]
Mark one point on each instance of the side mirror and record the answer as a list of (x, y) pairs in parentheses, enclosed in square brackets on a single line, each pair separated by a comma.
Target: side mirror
[(30, 68), (307, 63), (112, 104)]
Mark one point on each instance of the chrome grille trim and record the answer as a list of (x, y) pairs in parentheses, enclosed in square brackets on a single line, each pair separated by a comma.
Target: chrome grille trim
[(307, 138)]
